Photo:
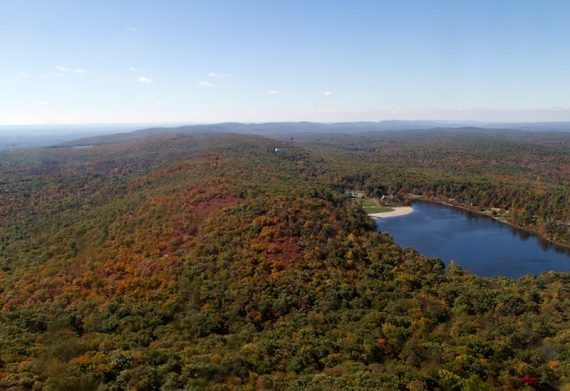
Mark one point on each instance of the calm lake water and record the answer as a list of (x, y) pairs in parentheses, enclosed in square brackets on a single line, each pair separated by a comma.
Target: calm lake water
[(479, 244)]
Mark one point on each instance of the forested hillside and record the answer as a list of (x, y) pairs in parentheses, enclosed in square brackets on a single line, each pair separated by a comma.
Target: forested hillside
[(214, 262), (521, 177)]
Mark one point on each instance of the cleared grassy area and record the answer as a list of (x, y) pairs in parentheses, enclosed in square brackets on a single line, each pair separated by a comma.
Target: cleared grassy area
[(370, 205)]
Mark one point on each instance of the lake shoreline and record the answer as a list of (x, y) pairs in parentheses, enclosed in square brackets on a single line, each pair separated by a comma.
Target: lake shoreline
[(480, 213), (396, 212), (485, 247)]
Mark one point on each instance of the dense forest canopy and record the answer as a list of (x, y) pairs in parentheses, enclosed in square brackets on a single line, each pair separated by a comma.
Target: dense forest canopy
[(526, 175), (194, 261)]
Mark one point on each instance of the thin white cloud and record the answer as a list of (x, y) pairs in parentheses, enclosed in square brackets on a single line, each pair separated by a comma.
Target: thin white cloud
[(273, 92), (215, 75), (75, 71), (134, 69), (24, 74), (144, 80), (328, 93), (132, 29), (205, 84), (159, 103)]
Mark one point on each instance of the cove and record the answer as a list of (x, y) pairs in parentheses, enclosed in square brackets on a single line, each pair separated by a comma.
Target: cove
[(478, 244)]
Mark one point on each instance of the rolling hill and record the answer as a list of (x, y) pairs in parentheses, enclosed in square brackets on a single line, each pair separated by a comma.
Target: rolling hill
[(209, 261)]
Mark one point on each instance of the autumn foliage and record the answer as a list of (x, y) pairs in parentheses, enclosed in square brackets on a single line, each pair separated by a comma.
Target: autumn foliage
[(211, 262)]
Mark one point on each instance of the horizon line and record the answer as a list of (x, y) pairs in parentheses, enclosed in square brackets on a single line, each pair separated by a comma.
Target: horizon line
[(183, 123)]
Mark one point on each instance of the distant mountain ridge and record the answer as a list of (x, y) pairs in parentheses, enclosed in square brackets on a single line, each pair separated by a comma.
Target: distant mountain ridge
[(288, 129), (18, 137)]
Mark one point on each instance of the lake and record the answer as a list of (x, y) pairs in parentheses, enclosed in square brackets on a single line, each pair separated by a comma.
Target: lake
[(479, 244)]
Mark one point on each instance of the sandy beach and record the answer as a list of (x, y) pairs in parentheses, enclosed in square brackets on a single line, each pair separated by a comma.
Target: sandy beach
[(398, 211)]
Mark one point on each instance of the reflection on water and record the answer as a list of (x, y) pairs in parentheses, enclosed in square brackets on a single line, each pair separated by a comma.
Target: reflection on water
[(478, 243)]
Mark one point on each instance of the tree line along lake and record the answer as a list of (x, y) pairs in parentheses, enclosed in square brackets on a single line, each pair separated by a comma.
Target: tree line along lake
[(478, 244)]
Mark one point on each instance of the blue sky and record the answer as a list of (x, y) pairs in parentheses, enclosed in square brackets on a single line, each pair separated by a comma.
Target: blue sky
[(209, 61)]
